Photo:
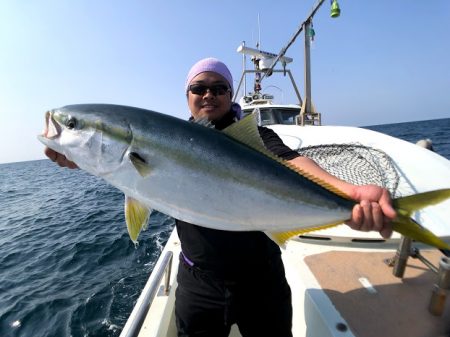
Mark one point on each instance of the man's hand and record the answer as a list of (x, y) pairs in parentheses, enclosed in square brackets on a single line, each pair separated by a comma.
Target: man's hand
[(59, 158), (374, 211)]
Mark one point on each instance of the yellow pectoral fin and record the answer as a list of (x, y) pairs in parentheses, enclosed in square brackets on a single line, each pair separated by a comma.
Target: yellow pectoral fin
[(280, 238), (136, 217)]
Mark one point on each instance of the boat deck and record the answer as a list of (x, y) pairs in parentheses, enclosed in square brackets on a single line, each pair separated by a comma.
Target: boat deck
[(372, 300), (338, 289), (345, 290)]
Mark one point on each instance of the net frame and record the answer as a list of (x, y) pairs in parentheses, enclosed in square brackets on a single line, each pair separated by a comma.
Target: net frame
[(355, 163)]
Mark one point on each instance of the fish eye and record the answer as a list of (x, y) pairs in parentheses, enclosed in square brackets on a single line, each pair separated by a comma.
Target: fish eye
[(71, 123)]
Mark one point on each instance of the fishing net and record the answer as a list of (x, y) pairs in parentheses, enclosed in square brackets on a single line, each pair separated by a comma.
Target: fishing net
[(356, 164)]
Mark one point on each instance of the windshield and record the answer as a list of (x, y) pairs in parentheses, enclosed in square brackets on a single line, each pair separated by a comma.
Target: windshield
[(276, 115)]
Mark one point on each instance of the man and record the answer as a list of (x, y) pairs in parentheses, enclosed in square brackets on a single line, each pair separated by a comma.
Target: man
[(238, 277)]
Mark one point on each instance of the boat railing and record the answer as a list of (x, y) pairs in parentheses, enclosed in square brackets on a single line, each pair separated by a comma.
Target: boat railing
[(165, 268)]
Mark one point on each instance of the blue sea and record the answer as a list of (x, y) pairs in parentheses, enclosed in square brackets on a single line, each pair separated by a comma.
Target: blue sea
[(68, 267)]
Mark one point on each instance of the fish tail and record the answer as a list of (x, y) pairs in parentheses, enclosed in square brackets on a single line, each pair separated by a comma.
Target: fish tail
[(406, 206)]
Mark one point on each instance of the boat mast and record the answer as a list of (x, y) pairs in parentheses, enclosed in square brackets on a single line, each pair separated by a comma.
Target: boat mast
[(244, 62), (308, 115), (307, 110)]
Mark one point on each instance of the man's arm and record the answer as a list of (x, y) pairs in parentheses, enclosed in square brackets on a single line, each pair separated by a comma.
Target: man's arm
[(374, 211)]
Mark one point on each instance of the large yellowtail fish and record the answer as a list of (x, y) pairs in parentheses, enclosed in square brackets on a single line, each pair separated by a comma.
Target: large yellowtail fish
[(218, 179)]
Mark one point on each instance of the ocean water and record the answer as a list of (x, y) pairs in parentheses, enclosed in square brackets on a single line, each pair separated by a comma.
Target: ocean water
[(67, 265), (438, 130)]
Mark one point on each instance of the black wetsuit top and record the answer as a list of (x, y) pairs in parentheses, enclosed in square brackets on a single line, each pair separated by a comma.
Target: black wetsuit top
[(231, 254)]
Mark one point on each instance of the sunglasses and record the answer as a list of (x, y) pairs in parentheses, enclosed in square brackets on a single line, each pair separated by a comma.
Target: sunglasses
[(216, 89)]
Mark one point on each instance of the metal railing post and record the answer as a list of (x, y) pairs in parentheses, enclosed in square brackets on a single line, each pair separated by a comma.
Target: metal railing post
[(149, 296)]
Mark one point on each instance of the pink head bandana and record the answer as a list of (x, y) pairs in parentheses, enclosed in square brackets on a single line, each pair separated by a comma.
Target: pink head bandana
[(209, 64)]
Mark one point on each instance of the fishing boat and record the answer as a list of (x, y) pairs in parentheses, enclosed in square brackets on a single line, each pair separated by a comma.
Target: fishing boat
[(270, 113), (344, 282)]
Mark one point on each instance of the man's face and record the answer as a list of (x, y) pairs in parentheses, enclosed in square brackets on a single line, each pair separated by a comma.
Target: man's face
[(212, 103)]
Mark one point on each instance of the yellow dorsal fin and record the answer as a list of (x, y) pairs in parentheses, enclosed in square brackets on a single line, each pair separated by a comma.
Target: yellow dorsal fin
[(246, 131)]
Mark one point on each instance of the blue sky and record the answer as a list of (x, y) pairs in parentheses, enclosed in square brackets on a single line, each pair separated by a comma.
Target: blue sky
[(380, 62)]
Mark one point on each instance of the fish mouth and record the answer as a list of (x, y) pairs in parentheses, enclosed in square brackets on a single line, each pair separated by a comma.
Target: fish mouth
[(52, 129)]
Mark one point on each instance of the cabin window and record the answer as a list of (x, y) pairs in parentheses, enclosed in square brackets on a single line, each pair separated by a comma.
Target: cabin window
[(271, 116)]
